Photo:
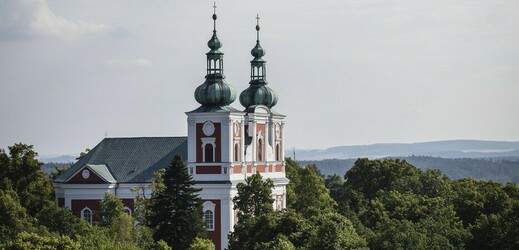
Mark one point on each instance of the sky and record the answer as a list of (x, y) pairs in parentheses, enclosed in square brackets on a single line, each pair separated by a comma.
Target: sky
[(346, 72)]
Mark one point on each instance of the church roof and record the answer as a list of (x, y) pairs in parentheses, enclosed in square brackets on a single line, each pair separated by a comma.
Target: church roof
[(133, 159)]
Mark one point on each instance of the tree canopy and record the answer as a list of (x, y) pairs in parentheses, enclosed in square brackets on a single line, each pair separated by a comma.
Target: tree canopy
[(174, 214)]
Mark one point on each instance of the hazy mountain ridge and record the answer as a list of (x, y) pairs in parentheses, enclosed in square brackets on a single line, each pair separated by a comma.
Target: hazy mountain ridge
[(443, 149), (58, 159)]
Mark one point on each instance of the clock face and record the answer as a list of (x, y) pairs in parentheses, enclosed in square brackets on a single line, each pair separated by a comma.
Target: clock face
[(208, 128), (236, 129)]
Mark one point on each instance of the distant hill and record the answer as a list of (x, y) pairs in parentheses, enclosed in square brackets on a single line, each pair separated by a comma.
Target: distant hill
[(50, 162), (500, 170), (443, 149), (59, 159)]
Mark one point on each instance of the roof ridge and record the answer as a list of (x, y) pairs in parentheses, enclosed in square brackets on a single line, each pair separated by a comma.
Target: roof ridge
[(147, 137)]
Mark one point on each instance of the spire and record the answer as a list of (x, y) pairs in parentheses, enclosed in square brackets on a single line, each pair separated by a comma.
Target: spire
[(215, 92), (258, 93), (214, 44)]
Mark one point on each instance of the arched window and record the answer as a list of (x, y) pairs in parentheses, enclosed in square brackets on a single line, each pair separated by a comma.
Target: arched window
[(260, 150), (128, 211), (208, 213), (236, 152), (209, 157), (209, 220), (278, 153), (86, 214)]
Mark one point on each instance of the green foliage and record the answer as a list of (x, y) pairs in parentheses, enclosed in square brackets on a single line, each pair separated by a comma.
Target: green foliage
[(201, 244), (124, 231), (310, 223), (111, 208), (498, 170), (14, 217), (30, 241), (21, 171), (279, 243), (82, 154), (335, 231), (96, 237), (399, 206), (162, 245), (174, 211), (53, 170), (491, 212), (254, 196), (60, 220)]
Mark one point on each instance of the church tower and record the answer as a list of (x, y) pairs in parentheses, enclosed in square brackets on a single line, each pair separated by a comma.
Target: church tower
[(264, 149), (226, 145)]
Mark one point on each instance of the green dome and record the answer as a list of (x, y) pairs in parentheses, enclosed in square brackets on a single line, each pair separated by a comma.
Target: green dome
[(257, 51), (214, 43), (215, 92), (258, 94)]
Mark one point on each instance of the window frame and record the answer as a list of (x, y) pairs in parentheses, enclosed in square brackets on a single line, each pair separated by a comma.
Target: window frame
[(89, 218)]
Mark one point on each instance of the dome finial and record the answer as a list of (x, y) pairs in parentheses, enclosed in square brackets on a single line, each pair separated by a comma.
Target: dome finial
[(214, 17), (257, 27)]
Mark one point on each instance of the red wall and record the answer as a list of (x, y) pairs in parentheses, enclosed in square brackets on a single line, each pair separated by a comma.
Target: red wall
[(93, 178), (208, 169), (78, 205), (215, 235), (216, 135)]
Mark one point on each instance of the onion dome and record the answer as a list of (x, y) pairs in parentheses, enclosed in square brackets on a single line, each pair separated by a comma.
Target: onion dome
[(258, 93), (215, 91)]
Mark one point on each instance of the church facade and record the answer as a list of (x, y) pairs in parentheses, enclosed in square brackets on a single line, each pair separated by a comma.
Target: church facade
[(223, 147)]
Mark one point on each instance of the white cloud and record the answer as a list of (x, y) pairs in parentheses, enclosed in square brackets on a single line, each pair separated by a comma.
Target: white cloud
[(131, 62), (21, 18), (46, 23)]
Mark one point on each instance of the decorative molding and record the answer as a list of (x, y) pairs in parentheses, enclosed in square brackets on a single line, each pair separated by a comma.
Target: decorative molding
[(208, 128)]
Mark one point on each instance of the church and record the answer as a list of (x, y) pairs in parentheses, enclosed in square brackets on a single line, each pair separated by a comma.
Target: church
[(224, 146)]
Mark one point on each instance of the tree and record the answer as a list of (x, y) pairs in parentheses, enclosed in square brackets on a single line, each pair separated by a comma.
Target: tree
[(256, 217), (21, 171), (29, 241), (201, 244), (111, 208), (82, 154), (122, 227), (14, 217), (254, 196), (335, 231), (314, 226), (312, 195), (175, 213)]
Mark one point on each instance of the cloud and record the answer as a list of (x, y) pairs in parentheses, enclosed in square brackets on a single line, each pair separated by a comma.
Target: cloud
[(132, 62), (26, 18)]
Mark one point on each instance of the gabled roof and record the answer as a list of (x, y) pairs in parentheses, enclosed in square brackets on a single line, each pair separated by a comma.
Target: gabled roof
[(133, 159), (100, 171)]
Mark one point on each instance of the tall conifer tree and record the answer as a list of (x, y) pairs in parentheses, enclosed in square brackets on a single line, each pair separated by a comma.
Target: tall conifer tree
[(175, 213)]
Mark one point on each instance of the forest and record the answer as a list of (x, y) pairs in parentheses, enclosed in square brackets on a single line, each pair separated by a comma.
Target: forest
[(502, 169), (376, 204)]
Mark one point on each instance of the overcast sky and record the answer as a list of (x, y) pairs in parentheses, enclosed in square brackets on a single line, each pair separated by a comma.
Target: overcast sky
[(346, 72)]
